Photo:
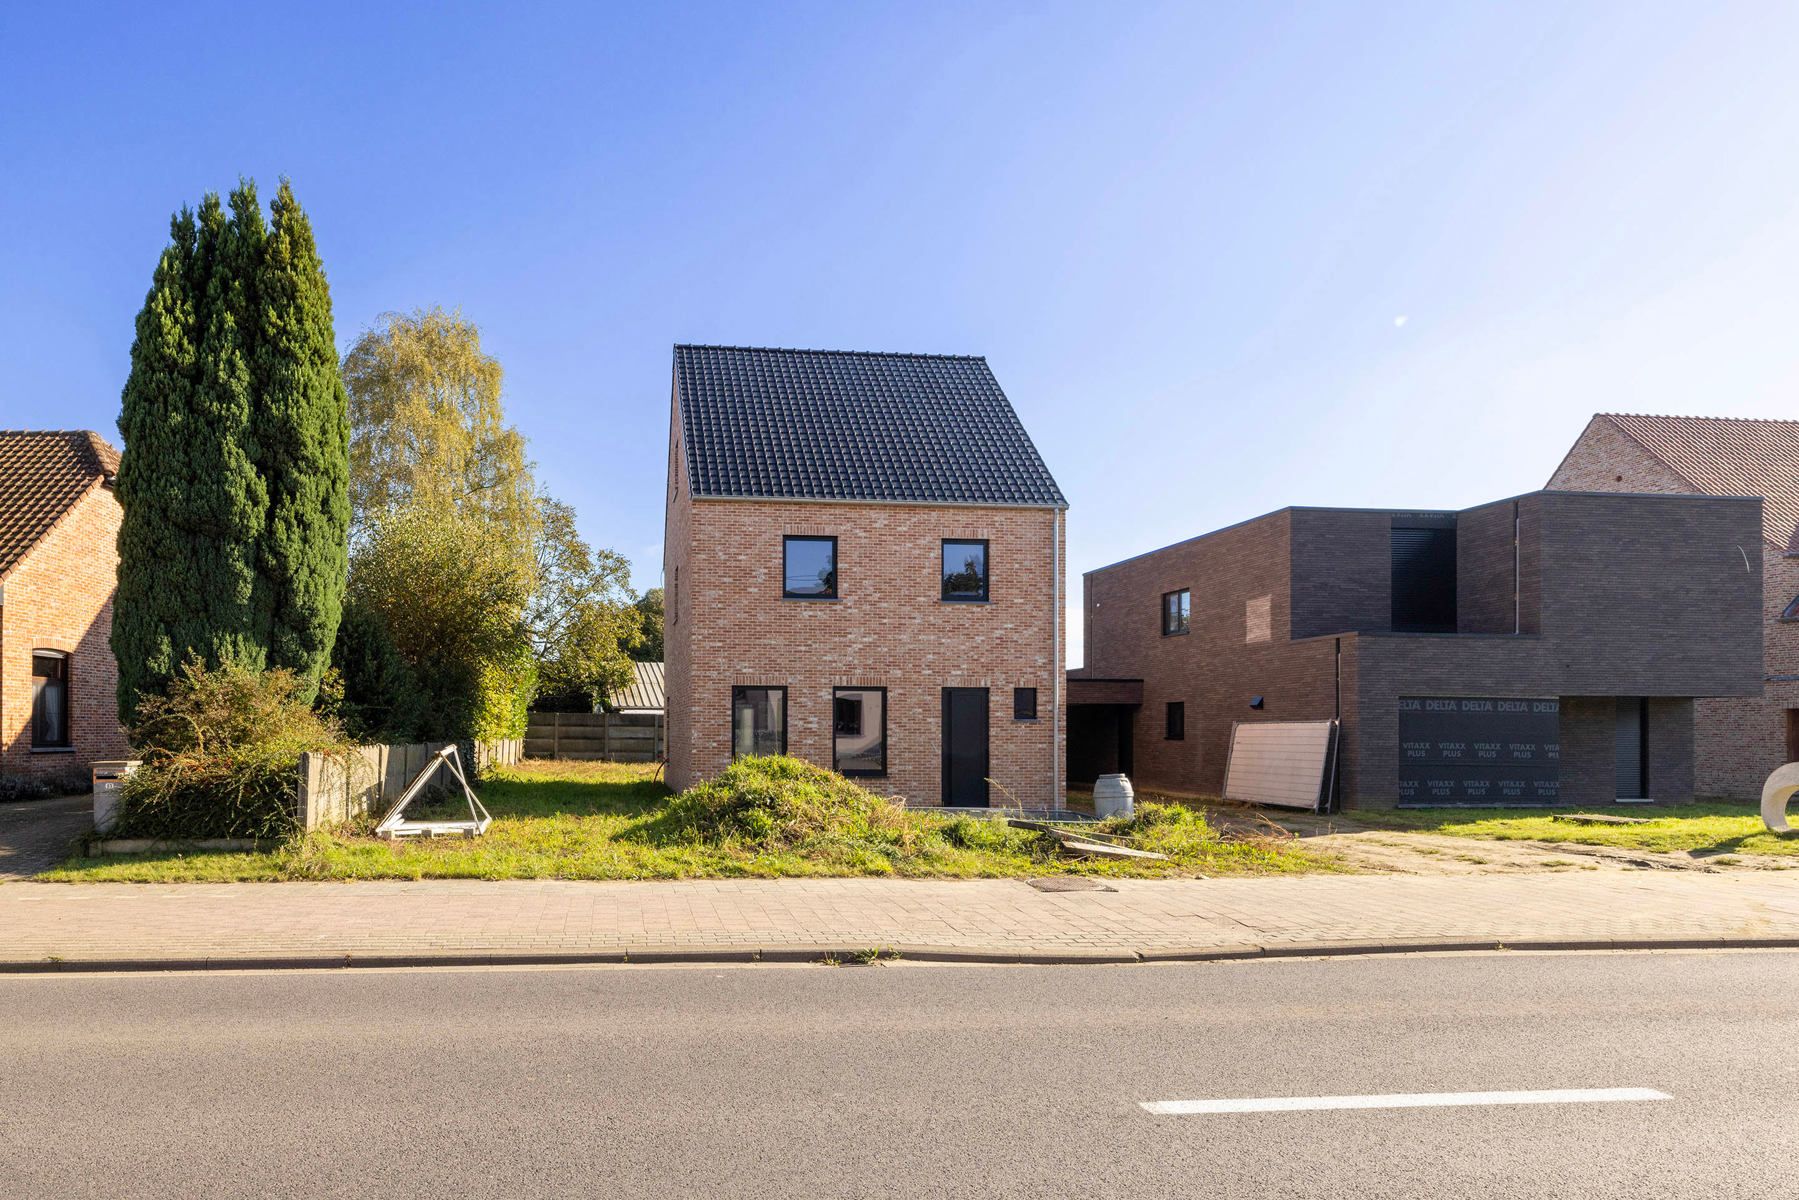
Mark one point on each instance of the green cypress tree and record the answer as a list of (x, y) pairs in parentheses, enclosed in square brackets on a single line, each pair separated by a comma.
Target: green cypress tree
[(301, 441), (234, 479), (188, 489)]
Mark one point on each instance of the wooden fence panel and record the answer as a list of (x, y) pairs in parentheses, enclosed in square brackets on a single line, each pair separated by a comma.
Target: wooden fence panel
[(618, 737)]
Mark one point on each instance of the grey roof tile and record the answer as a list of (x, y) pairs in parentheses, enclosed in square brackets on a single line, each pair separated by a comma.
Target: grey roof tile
[(852, 425)]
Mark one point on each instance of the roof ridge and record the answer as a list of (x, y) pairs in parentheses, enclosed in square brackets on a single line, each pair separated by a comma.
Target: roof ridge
[(1613, 416), (842, 353)]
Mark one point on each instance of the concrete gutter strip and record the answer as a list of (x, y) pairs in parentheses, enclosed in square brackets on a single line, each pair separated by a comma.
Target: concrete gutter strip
[(849, 955)]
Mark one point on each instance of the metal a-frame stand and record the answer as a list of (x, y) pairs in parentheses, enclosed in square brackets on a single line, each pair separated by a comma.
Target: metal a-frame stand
[(395, 825)]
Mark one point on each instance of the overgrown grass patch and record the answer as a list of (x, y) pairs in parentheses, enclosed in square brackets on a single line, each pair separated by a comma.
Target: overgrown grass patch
[(762, 818), (1715, 827)]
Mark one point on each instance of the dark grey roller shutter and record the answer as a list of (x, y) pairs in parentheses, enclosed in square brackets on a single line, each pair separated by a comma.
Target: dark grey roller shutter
[(1629, 743)]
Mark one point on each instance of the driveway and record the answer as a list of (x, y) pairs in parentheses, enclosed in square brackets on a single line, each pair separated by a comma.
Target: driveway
[(35, 834)]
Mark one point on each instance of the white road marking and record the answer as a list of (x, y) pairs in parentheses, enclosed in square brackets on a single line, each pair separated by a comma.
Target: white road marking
[(1183, 1108)]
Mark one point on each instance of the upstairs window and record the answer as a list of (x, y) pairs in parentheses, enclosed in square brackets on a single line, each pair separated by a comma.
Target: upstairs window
[(964, 570), (809, 568), (1175, 722), (1177, 612), (1791, 612), (859, 731), (50, 700), (758, 720)]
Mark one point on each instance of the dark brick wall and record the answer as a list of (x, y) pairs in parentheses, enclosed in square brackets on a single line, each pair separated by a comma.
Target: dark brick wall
[(1649, 595), (1671, 748), (1485, 569), (1618, 596), (1214, 670), (1342, 571)]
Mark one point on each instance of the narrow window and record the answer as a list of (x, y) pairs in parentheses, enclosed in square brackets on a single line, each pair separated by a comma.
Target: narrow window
[(50, 700), (1177, 612), (1024, 704), (809, 568), (964, 570), (758, 720), (859, 731), (1791, 611), (674, 597), (1177, 721)]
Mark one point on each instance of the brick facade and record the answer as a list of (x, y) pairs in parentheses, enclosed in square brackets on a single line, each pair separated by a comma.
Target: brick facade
[(1597, 597), (727, 624), (59, 597), (1738, 741)]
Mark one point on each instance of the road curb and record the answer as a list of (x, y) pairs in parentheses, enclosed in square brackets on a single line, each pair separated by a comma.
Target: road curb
[(840, 954)]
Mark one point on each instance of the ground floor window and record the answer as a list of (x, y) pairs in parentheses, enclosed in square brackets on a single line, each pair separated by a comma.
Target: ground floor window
[(49, 700), (1024, 704), (859, 731), (758, 720), (1176, 727)]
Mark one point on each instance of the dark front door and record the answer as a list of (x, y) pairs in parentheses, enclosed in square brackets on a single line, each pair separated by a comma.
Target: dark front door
[(965, 765)]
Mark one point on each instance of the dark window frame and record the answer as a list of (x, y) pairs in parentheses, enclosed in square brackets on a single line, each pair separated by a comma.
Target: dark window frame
[(986, 546), (836, 567), (860, 773), (67, 695), (1019, 694), (1184, 624), (1174, 721), (737, 690), (1790, 613)]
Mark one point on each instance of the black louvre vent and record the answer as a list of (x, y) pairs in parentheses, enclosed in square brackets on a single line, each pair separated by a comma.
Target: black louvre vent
[(1423, 579)]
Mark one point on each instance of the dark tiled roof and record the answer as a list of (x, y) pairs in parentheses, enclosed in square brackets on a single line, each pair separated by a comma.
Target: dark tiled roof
[(42, 474), (832, 425), (1728, 456)]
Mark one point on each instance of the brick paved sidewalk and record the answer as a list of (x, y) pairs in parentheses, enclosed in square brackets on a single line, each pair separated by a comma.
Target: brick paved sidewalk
[(49, 925)]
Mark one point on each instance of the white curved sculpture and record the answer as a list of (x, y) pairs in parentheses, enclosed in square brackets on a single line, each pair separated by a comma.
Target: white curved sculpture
[(1782, 785)]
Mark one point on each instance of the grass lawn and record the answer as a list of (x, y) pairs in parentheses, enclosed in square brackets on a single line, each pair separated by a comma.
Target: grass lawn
[(591, 820), (1719, 828)]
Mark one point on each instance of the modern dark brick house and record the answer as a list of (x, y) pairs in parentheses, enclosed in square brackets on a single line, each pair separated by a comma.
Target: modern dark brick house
[(863, 568), (59, 524), (1741, 739), (1543, 649)]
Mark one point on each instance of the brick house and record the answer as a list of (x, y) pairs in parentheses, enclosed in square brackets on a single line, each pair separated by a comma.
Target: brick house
[(1539, 650), (1738, 740), (59, 526), (862, 568)]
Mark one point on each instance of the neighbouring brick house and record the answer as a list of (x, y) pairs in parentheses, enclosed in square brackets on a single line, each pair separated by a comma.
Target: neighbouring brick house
[(1544, 649), (862, 568), (59, 525), (1740, 740)]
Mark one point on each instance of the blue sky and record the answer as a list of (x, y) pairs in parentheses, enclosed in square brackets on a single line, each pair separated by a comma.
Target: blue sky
[(1223, 257)]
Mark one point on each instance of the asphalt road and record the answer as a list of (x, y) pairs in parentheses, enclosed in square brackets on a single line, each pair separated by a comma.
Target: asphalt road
[(905, 1080)]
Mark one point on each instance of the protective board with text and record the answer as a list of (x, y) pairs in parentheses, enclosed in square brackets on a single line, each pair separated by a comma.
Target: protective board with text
[(1286, 764)]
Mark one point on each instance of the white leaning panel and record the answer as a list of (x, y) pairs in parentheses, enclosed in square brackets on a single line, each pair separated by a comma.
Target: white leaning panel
[(1282, 763)]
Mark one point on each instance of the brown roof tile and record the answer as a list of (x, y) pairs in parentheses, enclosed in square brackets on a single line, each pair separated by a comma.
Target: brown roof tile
[(42, 474), (1729, 456)]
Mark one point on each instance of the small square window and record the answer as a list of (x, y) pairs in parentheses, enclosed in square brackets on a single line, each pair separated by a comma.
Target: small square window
[(965, 570), (1024, 704), (1791, 612), (1176, 730), (809, 568), (1177, 612)]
